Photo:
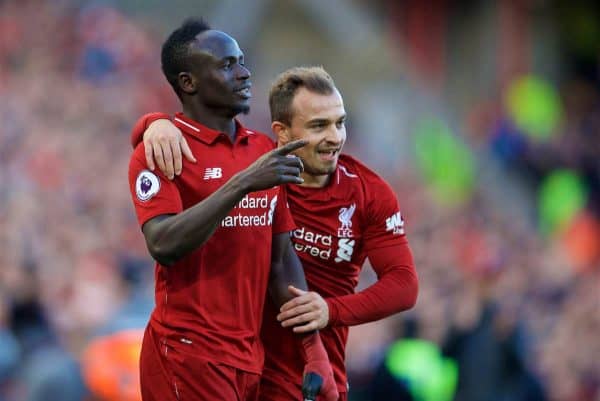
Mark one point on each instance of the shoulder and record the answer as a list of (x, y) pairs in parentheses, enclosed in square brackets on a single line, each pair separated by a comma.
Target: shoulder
[(258, 138), (138, 155), (352, 168), (375, 190)]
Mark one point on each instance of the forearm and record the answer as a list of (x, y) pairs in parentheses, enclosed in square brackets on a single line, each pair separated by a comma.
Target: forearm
[(286, 270), (395, 291), (174, 237)]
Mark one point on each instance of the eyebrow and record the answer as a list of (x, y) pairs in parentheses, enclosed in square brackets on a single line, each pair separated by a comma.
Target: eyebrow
[(317, 121), (234, 58), (324, 120)]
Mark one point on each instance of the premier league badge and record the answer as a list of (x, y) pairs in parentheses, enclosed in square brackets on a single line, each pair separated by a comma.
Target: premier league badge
[(147, 185)]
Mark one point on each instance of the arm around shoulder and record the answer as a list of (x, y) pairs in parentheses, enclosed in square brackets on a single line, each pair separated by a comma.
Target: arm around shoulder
[(137, 132)]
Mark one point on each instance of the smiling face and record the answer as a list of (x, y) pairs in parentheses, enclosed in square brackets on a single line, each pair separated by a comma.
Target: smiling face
[(319, 119), (218, 76)]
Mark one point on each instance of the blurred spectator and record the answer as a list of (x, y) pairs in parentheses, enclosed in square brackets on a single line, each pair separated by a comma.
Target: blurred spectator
[(110, 366), (489, 346)]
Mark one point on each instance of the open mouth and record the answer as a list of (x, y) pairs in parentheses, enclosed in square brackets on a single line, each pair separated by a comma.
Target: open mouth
[(328, 155), (244, 92)]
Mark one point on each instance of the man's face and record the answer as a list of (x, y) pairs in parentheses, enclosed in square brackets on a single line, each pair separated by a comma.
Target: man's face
[(223, 80), (319, 119)]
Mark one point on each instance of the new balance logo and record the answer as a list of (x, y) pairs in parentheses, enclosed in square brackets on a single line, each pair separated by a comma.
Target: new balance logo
[(212, 173), (395, 224)]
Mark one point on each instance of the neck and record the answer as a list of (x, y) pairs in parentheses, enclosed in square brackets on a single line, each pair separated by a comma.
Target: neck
[(213, 119), (315, 181)]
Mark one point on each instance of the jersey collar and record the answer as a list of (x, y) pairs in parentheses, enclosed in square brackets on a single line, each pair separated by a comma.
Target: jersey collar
[(326, 193), (206, 134)]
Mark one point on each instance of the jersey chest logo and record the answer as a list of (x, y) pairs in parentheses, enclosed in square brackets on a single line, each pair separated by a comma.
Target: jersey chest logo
[(310, 241), (345, 243), (345, 218), (213, 173), (345, 250)]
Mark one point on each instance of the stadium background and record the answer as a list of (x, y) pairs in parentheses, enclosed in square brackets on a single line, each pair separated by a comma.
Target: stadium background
[(484, 116)]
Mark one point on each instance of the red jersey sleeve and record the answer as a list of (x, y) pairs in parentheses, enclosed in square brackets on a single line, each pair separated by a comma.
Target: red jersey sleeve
[(282, 219), (385, 224), (137, 133), (388, 251), (152, 193)]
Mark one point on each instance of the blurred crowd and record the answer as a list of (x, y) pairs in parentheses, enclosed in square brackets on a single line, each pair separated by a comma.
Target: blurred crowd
[(515, 307), (73, 262)]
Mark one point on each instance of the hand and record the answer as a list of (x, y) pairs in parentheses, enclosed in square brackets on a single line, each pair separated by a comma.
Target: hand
[(314, 387), (164, 142), (317, 375), (311, 386), (307, 308), (274, 168)]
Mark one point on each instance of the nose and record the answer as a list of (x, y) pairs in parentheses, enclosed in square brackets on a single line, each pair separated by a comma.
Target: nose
[(243, 73), (335, 136)]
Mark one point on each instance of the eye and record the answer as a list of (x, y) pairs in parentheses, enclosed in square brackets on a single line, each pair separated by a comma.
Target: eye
[(226, 65), (340, 124)]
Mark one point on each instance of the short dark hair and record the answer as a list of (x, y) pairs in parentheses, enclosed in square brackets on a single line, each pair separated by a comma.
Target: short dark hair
[(175, 50), (283, 90)]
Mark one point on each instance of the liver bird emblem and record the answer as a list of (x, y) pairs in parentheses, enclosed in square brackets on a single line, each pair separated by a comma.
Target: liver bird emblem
[(345, 216)]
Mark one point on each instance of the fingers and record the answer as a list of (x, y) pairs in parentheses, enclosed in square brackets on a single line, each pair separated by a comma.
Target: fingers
[(296, 291), (312, 319), (307, 328), (298, 160), (177, 158), (306, 312), (158, 156), (290, 147), (299, 299), (290, 179), (187, 152), (310, 316), (297, 311), (292, 171), (169, 170), (148, 150), (292, 160)]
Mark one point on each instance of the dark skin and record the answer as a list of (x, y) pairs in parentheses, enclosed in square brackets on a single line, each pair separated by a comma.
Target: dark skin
[(214, 91), (210, 91)]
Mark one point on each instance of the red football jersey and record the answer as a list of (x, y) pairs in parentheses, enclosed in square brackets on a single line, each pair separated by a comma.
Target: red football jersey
[(338, 227), (212, 300)]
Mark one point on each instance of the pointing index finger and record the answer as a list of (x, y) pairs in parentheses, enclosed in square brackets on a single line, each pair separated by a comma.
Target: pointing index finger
[(290, 147)]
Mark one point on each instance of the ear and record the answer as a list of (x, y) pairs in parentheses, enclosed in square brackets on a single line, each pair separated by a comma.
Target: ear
[(281, 131), (187, 82)]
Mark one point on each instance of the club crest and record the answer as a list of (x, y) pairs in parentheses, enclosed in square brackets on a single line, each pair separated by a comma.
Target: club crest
[(345, 218)]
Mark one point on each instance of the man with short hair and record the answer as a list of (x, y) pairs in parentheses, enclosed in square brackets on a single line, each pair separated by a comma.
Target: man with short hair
[(220, 233), (345, 213)]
